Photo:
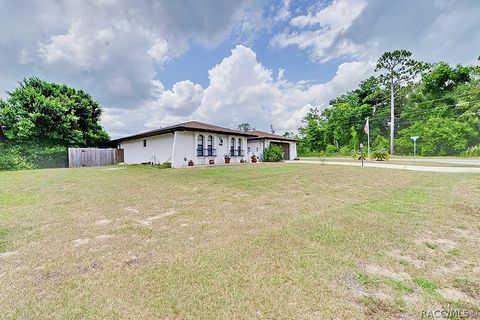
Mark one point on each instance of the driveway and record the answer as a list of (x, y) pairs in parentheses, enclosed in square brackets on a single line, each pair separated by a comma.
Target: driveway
[(393, 166)]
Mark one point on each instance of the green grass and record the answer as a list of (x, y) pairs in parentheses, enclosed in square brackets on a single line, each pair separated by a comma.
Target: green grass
[(427, 285), (266, 241)]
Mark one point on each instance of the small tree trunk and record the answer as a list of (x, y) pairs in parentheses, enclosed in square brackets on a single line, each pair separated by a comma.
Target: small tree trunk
[(392, 119)]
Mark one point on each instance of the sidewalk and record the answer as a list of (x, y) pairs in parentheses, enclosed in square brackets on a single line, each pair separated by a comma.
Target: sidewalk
[(393, 166)]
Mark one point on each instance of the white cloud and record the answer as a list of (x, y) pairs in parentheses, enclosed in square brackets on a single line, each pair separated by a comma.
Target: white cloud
[(159, 51), (240, 90), (330, 22)]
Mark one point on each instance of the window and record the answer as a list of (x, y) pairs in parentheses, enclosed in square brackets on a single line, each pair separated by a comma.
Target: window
[(239, 147), (144, 143), (232, 147), (200, 145), (210, 146)]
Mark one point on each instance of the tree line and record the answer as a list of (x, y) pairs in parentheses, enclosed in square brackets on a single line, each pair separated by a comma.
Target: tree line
[(41, 119), (438, 102)]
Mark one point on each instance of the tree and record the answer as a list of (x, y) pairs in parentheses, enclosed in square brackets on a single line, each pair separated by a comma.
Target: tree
[(245, 127), (47, 114), (398, 69)]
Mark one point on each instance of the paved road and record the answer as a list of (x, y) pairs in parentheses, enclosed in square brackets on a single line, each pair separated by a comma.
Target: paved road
[(441, 160), (393, 166)]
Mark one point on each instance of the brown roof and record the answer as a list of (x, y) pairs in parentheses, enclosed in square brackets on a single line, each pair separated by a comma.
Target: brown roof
[(185, 126), (267, 135)]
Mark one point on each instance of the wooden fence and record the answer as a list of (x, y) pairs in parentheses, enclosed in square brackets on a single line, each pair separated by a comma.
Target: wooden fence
[(94, 157)]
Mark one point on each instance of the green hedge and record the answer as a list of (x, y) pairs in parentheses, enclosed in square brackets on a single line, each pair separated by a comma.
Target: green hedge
[(32, 157)]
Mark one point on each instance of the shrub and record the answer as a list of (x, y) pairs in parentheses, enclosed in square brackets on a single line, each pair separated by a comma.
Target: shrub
[(330, 149), (32, 157), (472, 151), (12, 159), (358, 155), (273, 153), (345, 151), (380, 155)]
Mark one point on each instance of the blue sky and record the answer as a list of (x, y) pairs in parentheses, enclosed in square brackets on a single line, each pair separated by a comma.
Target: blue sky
[(224, 62)]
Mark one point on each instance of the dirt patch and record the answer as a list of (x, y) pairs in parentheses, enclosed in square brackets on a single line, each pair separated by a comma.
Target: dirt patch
[(80, 242), (148, 220), (452, 267), (466, 234), (103, 237), (384, 272), (454, 295), (7, 254), (442, 244), (102, 222), (132, 210), (397, 255)]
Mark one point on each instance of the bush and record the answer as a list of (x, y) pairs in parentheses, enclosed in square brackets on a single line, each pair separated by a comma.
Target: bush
[(380, 154), (32, 157), (345, 151), (357, 155), (273, 153), (12, 159), (331, 149), (472, 151)]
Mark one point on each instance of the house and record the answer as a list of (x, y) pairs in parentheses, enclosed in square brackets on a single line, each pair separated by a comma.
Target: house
[(199, 142)]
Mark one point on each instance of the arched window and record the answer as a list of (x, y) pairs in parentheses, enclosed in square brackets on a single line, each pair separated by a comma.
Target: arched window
[(232, 147), (200, 145), (210, 146), (239, 147)]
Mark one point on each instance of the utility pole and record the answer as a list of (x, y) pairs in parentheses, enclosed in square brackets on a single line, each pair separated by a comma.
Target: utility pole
[(392, 117)]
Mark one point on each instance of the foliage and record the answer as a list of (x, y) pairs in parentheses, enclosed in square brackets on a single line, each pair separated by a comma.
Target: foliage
[(245, 127), (380, 155), (472, 151), (48, 114), (12, 159), (441, 104), (273, 153), (32, 157), (42, 119)]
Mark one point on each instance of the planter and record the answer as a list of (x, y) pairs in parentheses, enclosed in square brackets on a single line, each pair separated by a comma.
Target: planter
[(227, 159), (190, 163), (211, 161), (254, 159)]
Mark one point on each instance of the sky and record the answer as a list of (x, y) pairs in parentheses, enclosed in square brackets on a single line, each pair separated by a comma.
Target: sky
[(156, 63)]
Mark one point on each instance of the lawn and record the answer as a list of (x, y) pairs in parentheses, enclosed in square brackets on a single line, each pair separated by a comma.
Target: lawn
[(233, 242)]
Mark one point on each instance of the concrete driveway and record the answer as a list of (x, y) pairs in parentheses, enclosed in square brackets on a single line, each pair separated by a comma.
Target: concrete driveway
[(393, 166)]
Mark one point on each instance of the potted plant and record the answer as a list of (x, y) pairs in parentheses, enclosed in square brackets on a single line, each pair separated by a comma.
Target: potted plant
[(242, 161), (211, 161), (227, 158), (254, 159), (190, 163)]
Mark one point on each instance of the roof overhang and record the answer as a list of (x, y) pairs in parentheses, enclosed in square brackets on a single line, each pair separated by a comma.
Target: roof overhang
[(179, 128)]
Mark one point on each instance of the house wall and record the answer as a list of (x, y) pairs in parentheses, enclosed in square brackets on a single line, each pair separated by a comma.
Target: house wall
[(158, 149), (257, 146), (186, 148)]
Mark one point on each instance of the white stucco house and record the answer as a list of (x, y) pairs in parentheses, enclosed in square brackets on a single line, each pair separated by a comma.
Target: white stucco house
[(200, 142)]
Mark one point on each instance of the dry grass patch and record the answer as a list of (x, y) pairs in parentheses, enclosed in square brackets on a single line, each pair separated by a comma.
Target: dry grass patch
[(268, 241)]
